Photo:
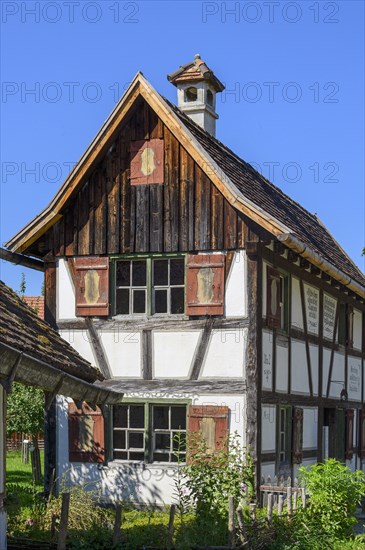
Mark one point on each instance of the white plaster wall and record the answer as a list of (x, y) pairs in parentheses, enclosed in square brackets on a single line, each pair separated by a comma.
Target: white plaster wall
[(313, 352), (236, 286), (326, 369), (268, 469), (79, 339), (137, 482), (282, 368), (267, 360), (299, 368), (268, 428), (357, 334), (225, 355), (123, 352), (296, 305), (310, 427), (311, 299), (173, 353), (65, 292), (338, 375), (354, 378)]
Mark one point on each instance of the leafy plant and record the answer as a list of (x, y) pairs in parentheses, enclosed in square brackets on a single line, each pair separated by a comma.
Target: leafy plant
[(334, 493), (25, 410)]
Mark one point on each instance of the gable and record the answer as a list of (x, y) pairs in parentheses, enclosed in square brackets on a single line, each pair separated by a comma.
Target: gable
[(111, 215)]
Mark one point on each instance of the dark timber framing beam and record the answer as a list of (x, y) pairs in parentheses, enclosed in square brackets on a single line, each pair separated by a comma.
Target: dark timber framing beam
[(201, 349), (97, 348), (19, 259), (8, 382)]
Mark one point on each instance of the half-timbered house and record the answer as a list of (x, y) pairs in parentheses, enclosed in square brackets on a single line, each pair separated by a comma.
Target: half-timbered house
[(213, 299)]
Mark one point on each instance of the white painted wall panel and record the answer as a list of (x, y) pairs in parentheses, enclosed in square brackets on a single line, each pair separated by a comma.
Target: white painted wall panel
[(79, 339), (338, 375), (296, 305), (354, 378), (357, 336), (326, 370), (299, 368), (282, 368), (267, 360), (225, 355), (65, 292), (173, 353), (236, 285), (310, 427), (268, 428), (123, 352), (313, 352)]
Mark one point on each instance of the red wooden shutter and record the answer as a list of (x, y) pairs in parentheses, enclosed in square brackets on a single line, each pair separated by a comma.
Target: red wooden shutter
[(85, 434), (147, 163), (92, 286), (361, 421), (273, 308), (297, 435), (205, 284), (349, 434), (212, 422)]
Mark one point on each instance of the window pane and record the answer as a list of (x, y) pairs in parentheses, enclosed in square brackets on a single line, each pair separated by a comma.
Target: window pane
[(122, 301), (119, 439), (177, 300), (160, 301), (160, 272), (135, 440), (162, 441), (161, 418), (139, 273), (136, 416), (136, 456), (161, 457), (139, 301), (123, 273), (177, 271), (120, 416), (179, 445), (119, 455), (178, 418)]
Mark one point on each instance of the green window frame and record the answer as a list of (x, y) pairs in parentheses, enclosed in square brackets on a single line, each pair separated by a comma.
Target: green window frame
[(149, 435), (159, 289)]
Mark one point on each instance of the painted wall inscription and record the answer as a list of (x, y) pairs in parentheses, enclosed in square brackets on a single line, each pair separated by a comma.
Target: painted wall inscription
[(311, 296), (329, 314)]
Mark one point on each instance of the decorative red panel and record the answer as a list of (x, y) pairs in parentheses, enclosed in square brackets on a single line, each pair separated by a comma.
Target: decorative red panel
[(85, 434), (147, 162), (273, 307), (205, 284), (92, 286), (212, 422)]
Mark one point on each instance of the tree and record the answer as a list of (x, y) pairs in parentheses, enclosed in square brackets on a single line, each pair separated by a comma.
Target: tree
[(23, 285), (25, 410)]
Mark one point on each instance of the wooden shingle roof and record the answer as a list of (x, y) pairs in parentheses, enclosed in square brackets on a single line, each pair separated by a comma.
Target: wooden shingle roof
[(253, 185), (23, 330)]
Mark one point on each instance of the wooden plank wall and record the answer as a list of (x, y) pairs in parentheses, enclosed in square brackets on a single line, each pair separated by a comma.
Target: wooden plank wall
[(109, 216)]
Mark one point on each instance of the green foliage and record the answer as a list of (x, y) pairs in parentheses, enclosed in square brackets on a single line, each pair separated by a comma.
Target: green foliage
[(22, 285), (25, 410), (334, 493)]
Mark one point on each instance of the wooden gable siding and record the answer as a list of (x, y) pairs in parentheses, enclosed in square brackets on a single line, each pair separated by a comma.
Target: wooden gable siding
[(109, 216)]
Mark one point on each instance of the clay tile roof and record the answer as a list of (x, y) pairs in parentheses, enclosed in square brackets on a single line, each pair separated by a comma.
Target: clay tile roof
[(22, 329), (195, 71), (305, 226), (36, 303)]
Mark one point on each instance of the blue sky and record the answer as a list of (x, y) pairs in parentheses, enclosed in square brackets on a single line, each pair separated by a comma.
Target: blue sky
[(294, 105)]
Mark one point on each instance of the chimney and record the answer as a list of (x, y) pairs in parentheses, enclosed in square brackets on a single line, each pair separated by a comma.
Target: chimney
[(196, 92)]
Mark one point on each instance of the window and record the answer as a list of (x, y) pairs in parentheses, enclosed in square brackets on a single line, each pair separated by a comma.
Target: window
[(148, 432), (209, 98), (191, 94), (284, 433), (131, 286), (277, 299), (168, 285), (150, 286), (346, 325)]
